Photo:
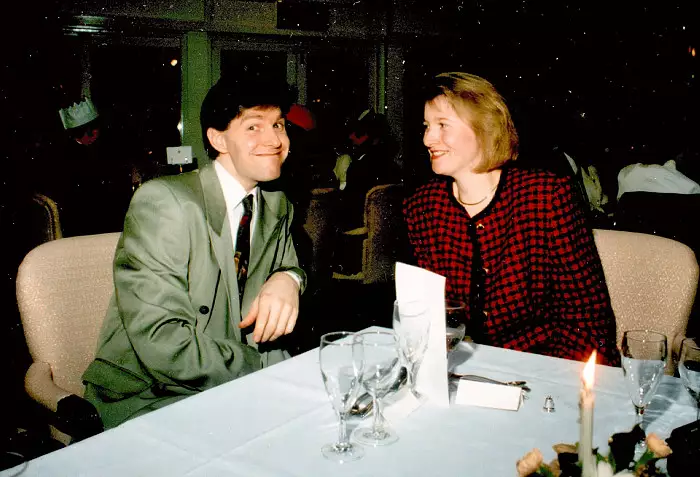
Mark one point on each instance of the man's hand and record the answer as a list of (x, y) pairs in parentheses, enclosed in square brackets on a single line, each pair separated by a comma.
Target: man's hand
[(274, 311)]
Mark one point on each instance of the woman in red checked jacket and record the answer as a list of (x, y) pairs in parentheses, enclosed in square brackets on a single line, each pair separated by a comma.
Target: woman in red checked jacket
[(513, 243)]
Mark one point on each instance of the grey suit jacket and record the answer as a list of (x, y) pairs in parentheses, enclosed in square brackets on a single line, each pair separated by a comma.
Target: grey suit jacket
[(172, 326)]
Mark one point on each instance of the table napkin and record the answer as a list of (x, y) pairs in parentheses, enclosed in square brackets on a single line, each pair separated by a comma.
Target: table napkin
[(416, 284), (401, 404)]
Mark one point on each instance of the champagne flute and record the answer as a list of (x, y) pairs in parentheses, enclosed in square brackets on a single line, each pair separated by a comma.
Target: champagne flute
[(381, 369), (341, 361), (455, 323), (689, 369), (412, 327), (643, 362)]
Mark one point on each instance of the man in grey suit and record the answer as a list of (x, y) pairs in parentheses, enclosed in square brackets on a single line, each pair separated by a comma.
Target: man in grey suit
[(199, 302)]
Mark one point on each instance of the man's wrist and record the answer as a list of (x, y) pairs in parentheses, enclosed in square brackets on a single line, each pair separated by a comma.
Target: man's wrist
[(295, 277), (297, 274)]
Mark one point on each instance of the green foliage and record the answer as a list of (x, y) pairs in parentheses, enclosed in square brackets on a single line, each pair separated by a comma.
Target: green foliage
[(544, 471)]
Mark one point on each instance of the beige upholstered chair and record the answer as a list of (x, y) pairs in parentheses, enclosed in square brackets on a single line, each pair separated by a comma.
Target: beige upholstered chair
[(384, 222), (320, 227), (380, 235), (63, 289), (652, 282)]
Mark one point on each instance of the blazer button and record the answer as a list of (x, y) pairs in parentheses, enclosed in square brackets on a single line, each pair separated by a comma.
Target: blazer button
[(479, 226), (204, 310)]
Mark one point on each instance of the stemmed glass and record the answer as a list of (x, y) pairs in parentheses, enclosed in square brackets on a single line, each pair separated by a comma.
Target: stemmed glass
[(342, 364), (381, 369), (643, 362), (413, 328), (455, 326), (689, 369)]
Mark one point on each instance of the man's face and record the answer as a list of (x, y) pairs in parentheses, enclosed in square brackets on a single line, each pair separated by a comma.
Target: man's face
[(253, 147)]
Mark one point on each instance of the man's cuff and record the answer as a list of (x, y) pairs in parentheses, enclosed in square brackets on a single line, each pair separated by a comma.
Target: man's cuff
[(296, 273), (295, 277)]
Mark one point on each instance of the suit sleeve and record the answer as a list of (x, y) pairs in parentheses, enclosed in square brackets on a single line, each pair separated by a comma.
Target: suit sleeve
[(579, 295), (289, 261), (152, 283)]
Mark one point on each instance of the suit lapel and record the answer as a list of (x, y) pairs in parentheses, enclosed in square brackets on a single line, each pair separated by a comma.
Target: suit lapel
[(220, 237), (267, 223)]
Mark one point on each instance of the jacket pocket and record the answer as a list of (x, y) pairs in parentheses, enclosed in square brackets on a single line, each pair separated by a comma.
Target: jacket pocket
[(113, 382)]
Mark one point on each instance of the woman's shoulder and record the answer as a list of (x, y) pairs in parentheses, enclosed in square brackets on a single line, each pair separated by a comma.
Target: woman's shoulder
[(434, 187), (525, 178)]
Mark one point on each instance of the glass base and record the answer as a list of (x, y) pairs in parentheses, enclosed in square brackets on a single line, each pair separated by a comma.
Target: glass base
[(368, 437), (342, 453)]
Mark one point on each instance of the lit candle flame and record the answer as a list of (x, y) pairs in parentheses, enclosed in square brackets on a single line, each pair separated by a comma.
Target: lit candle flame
[(589, 371)]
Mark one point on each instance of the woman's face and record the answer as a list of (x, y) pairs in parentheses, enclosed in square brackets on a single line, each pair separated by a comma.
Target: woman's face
[(451, 142)]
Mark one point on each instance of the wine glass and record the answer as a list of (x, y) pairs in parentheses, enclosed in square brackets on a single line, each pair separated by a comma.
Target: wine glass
[(689, 369), (341, 361), (455, 323), (381, 369), (412, 327), (643, 361)]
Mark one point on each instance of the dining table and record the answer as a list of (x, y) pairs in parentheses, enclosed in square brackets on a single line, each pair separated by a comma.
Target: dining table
[(274, 422)]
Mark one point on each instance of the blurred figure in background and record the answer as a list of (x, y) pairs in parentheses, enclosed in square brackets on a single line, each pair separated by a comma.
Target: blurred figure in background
[(367, 159), (86, 174)]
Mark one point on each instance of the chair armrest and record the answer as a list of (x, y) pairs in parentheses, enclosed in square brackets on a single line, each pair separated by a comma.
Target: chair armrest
[(38, 382), (68, 413)]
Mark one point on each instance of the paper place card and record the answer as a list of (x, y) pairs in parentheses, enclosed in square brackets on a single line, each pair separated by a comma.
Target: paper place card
[(400, 405), (416, 284), (497, 396)]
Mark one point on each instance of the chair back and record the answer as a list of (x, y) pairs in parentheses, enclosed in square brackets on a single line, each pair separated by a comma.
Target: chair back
[(652, 282), (63, 289), (384, 223), (46, 223), (321, 228)]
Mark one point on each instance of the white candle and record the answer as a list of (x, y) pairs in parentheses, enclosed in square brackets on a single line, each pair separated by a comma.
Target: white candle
[(586, 404)]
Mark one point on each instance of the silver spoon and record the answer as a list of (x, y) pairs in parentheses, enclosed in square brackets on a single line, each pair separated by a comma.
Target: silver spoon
[(364, 403)]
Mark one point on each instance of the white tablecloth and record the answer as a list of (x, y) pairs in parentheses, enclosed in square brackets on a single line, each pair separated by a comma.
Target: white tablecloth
[(274, 422)]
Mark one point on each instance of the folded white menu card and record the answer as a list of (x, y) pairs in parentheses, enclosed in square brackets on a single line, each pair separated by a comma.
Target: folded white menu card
[(416, 284), (497, 396)]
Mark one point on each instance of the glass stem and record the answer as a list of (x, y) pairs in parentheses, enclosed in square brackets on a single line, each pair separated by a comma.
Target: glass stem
[(343, 442), (639, 418), (378, 423)]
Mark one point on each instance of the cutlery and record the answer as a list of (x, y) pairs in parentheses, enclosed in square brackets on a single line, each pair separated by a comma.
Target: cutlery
[(363, 405), (482, 379)]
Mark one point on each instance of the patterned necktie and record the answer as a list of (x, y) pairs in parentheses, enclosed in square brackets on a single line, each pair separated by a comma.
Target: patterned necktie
[(242, 253)]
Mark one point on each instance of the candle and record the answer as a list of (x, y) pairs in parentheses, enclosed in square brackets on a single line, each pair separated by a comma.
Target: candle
[(586, 403)]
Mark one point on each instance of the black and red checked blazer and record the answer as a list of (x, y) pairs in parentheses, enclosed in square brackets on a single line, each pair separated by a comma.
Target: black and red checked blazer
[(542, 281)]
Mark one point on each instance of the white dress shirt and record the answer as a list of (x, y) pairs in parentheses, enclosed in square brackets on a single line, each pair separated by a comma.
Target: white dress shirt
[(234, 193)]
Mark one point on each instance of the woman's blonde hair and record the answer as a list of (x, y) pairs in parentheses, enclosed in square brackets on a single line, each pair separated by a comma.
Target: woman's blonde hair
[(477, 102)]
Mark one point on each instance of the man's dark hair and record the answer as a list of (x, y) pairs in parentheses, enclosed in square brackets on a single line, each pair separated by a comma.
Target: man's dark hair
[(229, 97)]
